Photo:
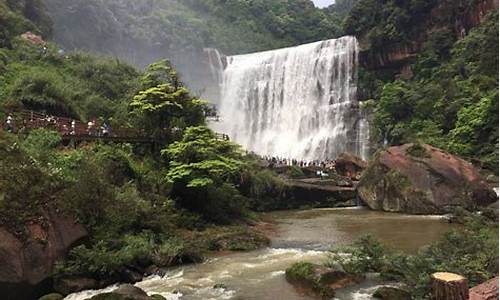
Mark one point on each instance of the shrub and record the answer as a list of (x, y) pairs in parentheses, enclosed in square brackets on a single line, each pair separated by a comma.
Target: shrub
[(471, 252)]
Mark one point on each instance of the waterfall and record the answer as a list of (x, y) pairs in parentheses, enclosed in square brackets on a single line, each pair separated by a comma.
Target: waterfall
[(297, 102), (216, 65)]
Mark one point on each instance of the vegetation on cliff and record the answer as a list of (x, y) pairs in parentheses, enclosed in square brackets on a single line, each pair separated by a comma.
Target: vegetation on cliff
[(447, 95), (172, 25), (452, 100)]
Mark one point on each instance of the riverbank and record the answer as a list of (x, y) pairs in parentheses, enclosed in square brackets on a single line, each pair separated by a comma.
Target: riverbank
[(295, 236)]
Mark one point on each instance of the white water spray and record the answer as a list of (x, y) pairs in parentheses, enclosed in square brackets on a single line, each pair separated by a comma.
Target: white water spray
[(297, 102)]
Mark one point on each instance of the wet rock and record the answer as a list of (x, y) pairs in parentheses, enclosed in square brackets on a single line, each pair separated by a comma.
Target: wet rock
[(131, 276), (391, 293), (220, 286), (52, 296), (319, 193), (157, 297), (74, 284), (27, 262), (319, 280), (124, 292), (485, 291), (421, 179), (348, 203), (350, 166), (131, 291)]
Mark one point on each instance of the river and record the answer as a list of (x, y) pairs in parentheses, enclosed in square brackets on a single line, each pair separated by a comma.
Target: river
[(300, 235)]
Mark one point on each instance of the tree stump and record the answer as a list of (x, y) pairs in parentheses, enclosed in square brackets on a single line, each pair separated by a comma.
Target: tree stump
[(449, 286)]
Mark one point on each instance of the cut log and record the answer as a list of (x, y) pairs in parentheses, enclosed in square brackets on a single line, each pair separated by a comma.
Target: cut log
[(449, 286)]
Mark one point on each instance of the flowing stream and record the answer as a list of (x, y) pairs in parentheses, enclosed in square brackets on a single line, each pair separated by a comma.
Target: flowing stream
[(300, 235)]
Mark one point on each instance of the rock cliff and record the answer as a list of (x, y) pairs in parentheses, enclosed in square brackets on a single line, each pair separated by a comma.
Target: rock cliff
[(27, 262), (421, 179)]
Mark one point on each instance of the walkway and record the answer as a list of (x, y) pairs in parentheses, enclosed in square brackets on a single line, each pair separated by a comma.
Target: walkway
[(73, 130)]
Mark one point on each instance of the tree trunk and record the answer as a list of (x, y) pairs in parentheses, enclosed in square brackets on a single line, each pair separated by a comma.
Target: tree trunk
[(449, 286)]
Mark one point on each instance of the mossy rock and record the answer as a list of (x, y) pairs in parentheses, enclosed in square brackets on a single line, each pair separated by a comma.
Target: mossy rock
[(239, 241), (157, 297), (391, 293), (417, 150), (111, 296), (52, 296), (319, 281)]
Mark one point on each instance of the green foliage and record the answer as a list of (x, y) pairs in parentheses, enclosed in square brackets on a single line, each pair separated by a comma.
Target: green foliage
[(164, 104), (52, 296), (417, 150), (452, 102), (265, 190), (300, 270), (174, 27), (204, 171), (17, 17), (365, 255), (106, 258), (23, 186), (471, 251), (74, 85)]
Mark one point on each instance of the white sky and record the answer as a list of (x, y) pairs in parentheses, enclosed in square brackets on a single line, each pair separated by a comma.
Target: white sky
[(323, 3)]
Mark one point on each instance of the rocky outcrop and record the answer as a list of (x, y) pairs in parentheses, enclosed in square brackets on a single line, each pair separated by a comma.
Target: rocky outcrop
[(127, 292), (421, 179), (391, 293), (27, 262), (318, 193), (350, 166), (73, 284), (397, 58), (318, 280), (485, 291)]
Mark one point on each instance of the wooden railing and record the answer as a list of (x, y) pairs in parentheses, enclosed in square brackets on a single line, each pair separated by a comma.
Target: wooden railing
[(71, 129)]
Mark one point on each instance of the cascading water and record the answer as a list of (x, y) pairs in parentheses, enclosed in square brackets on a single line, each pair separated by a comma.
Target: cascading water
[(297, 102)]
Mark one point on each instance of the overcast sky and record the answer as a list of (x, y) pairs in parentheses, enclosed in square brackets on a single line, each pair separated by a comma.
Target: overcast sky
[(323, 3)]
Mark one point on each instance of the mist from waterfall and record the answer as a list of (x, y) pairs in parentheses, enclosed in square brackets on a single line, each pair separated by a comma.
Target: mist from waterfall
[(297, 102)]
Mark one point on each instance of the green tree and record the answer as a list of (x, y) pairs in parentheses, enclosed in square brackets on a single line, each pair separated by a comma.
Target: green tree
[(205, 171), (165, 104)]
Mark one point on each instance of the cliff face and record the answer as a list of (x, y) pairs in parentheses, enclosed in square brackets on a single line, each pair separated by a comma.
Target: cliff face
[(27, 263), (397, 58)]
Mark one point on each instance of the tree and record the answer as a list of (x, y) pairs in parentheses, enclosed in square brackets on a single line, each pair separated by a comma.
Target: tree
[(204, 172), (165, 104)]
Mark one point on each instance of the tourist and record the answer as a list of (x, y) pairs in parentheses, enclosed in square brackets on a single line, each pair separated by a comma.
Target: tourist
[(73, 127), (105, 128), (10, 124), (90, 127)]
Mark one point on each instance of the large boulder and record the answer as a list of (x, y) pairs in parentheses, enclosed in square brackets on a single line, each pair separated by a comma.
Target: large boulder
[(391, 293), (421, 179), (27, 261), (485, 291), (319, 281), (126, 292), (350, 166), (74, 284)]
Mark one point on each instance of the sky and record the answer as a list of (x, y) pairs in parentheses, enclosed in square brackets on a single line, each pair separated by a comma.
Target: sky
[(323, 3)]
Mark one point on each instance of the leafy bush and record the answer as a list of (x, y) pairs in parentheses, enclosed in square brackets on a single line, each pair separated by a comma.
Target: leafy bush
[(365, 255), (471, 252)]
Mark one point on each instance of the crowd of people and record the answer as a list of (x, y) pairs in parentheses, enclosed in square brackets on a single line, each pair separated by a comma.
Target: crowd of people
[(277, 162), (31, 120)]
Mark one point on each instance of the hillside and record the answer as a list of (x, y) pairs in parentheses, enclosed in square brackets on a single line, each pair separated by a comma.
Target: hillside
[(143, 30)]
